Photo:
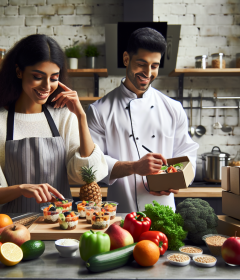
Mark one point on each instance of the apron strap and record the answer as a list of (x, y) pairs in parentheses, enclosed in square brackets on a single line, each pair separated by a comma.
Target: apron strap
[(51, 122), (10, 122)]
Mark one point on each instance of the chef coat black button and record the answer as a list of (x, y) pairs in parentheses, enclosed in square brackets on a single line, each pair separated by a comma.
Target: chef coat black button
[(137, 138), (152, 106), (127, 107), (130, 135), (153, 136)]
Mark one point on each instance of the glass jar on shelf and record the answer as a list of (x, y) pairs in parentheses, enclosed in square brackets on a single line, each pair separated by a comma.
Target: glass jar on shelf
[(218, 61), (2, 53), (238, 60), (201, 61), (235, 161)]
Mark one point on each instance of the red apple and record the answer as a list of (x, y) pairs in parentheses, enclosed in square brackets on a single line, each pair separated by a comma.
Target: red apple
[(231, 250), (119, 237), (15, 233)]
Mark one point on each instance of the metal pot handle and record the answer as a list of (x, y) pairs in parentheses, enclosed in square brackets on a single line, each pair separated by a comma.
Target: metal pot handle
[(217, 148)]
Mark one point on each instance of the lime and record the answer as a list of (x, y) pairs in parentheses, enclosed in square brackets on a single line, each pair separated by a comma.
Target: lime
[(32, 249)]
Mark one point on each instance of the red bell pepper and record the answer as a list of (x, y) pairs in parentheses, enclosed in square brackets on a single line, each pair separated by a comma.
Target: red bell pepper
[(136, 224), (159, 238)]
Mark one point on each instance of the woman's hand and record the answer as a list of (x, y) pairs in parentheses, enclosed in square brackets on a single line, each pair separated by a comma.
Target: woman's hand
[(69, 98), (164, 192), (41, 192)]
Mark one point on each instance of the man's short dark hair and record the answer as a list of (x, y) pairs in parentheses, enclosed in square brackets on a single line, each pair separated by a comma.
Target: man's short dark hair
[(148, 39)]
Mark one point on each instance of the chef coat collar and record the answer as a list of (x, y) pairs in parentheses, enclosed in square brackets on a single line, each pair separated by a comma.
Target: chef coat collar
[(131, 94)]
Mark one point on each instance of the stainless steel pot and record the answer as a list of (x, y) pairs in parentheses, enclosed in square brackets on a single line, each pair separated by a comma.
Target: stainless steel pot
[(212, 164)]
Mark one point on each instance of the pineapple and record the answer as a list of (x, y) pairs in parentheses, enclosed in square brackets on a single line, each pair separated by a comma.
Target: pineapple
[(91, 191)]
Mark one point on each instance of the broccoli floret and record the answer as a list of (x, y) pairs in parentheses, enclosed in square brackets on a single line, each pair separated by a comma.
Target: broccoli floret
[(199, 218)]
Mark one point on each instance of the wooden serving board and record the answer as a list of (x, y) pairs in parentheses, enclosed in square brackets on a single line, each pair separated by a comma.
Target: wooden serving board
[(43, 231)]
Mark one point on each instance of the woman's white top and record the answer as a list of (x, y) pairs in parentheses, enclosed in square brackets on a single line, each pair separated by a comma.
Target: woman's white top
[(158, 122), (36, 125)]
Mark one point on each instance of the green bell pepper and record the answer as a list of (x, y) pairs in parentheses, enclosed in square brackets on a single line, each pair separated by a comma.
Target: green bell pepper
[(93, 243)]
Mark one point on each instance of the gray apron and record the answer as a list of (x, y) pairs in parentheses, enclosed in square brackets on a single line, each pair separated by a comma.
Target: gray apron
[(34, 160)]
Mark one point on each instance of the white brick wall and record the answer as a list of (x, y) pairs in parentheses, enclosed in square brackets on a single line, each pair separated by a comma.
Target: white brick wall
[(207, 26)]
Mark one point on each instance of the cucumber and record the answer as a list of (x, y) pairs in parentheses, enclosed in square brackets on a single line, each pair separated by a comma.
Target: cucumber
[(111, 260)]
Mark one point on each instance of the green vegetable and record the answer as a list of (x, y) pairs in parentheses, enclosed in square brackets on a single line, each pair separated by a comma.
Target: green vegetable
[(199, 218), (121, 223), (93, 243), (111, 260), (165, 220), (164, 168), (178, 164)]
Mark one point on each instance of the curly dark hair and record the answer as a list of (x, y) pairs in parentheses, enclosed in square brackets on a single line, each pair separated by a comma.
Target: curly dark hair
[(27, 52)]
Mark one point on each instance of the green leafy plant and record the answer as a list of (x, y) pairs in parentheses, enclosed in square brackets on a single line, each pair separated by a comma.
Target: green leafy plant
[(74, 51), (165, 220), (91, 51)]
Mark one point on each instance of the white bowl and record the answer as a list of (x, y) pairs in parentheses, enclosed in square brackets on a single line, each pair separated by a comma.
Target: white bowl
[(191, 254), (178, 263), (67, 251), (205, 264)]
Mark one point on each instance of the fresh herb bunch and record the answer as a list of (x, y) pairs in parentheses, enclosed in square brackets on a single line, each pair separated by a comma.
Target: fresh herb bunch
[(91, 51), (73, 51), (165, 220)]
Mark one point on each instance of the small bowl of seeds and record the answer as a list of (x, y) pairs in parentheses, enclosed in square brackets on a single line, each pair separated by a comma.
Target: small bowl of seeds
[(214, 243), (178, 259), (191, 251), (205, 260)]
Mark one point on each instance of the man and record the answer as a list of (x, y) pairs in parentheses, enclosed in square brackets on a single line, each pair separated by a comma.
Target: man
[(135, 114)]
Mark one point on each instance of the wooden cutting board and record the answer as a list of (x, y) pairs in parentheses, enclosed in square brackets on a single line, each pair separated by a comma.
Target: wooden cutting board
[(43, 231)]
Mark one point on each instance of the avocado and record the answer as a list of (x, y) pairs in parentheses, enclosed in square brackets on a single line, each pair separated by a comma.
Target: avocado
[(64, 225), (62, 217)]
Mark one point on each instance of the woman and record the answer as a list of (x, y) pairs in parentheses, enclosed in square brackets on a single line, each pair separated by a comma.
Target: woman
[(44, 136)]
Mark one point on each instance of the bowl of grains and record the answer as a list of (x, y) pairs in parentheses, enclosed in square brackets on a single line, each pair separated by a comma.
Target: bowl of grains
[(67, 247), (178, 259), (214, 243), (205, 260), (191, 251)]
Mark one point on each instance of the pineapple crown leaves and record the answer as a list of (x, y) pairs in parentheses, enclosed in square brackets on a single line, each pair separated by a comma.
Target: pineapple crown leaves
[(88, 175)]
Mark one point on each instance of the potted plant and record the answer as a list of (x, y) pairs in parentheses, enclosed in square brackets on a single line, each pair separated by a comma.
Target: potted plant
[(73, 53), (91, 52)]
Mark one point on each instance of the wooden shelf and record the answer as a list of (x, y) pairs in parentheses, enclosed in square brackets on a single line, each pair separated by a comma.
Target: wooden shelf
[(87, 72), (205, 72), (89, 99), (200, 192), (75, 192), (189, 192)]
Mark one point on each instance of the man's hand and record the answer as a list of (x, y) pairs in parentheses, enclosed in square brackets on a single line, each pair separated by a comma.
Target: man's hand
[(164, 192), (149, 164)]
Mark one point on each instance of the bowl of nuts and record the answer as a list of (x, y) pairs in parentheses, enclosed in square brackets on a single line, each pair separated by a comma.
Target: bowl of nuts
[(178, 259), (214, 242), (191, 251), (205, 260)]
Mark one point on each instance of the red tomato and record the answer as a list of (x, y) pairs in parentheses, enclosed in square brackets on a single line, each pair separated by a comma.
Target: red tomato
[(171, 169)]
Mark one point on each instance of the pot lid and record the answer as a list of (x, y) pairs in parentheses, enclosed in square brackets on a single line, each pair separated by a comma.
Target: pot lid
[(216, 152)]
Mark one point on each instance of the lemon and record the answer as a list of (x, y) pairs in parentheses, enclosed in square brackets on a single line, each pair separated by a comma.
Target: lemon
[(10, 254), (32, 249)]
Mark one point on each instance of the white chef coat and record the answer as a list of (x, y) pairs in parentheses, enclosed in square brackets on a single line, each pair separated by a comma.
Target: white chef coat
[(158, 122)]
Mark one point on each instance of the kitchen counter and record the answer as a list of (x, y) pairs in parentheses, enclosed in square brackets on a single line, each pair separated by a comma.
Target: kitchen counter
[(51, 266)]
